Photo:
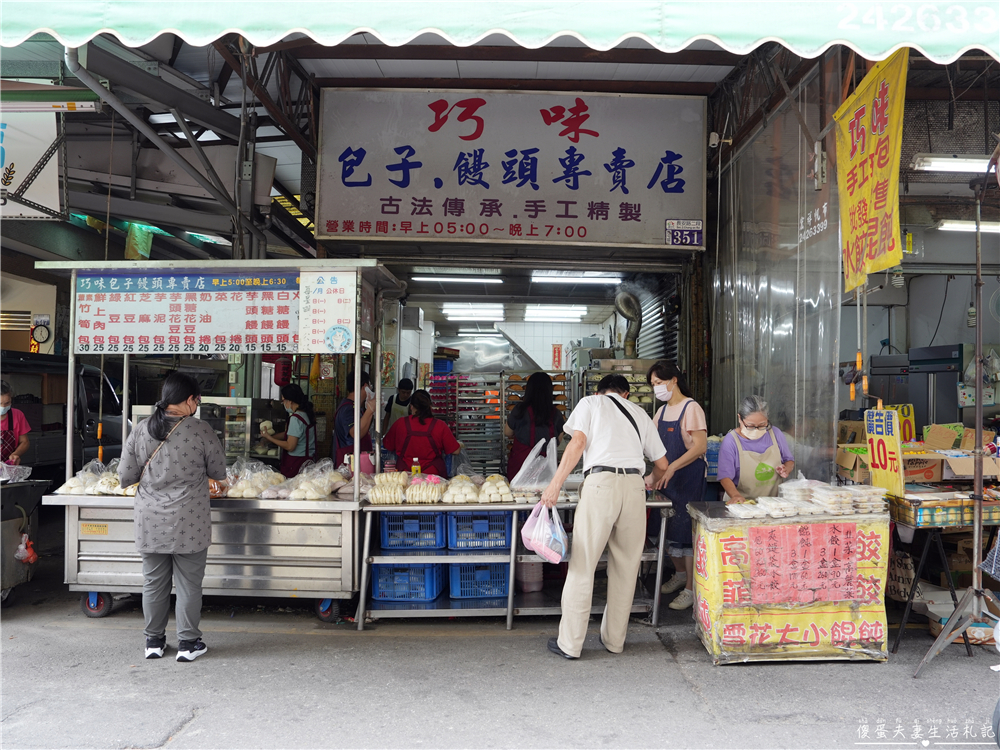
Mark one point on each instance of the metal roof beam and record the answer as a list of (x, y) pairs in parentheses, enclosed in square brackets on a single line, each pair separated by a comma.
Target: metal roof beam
[(315, 51), (128, 75), (683, 88)]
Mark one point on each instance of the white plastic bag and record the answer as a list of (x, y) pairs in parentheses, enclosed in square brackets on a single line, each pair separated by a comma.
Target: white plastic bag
[(548, 538), (537, 471)]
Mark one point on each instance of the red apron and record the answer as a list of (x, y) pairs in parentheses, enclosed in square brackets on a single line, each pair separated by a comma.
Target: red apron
[(343, 451), (8, 440), (437, 466), (290, 465), (519, 451)]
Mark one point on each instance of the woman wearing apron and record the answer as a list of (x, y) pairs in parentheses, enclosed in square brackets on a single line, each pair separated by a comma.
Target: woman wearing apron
[(298, 442), (753, 458), (421, 437), (14, 428), (684, 431), (533, 418)]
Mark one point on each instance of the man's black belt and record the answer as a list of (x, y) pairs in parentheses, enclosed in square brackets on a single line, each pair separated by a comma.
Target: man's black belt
[(612, 469)]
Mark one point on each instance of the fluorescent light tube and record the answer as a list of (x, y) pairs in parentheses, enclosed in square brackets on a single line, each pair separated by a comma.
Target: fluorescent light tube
[(575, 279), (459, 279), (553, 320), (478, 335), (968, 163), (957, 225), (480, 318)]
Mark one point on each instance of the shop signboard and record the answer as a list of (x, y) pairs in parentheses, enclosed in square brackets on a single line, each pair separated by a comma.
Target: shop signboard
[(869, 140), (885, 450), (329, 305), (512, 167), (796, 591), (187, 313), (24, 139)]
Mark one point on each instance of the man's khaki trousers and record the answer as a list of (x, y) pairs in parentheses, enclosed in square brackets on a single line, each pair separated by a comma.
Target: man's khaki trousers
[(612, 514)]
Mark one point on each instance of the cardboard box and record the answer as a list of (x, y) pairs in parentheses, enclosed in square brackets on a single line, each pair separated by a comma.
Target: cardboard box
[(942, 437), (922, 468), (53, 389), (963, 467), (969, 438), (851, 465), (845, 428)]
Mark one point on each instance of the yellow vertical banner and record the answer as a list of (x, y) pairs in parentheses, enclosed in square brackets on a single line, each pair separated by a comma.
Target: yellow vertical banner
[(885, 450), (869, 137)]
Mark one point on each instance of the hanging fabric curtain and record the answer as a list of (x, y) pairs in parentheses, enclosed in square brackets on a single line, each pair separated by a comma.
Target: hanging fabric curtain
[(940, 31)]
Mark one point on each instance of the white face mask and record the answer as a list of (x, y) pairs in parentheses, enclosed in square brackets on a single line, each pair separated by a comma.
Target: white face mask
[(753, 434), (4, 410), (662, 392)]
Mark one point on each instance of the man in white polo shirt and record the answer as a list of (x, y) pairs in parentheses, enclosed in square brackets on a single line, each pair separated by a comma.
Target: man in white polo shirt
[(612, 435)]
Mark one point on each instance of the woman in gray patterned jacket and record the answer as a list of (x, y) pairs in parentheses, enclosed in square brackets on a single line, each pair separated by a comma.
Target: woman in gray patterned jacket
[(172, 455)]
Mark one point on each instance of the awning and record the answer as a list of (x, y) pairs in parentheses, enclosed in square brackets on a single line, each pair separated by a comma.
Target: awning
[(940, 31)]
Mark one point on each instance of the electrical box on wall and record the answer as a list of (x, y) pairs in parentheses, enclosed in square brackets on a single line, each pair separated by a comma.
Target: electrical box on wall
[(413, 318)]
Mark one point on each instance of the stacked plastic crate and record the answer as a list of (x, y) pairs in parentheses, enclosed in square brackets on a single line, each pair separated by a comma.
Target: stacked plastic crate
[(410, 583), (479, 531)]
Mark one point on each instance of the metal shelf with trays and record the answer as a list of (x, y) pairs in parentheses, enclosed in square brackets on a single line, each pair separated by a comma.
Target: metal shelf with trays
[(637, 385), (521, 604), (512, 389), (470, 405)]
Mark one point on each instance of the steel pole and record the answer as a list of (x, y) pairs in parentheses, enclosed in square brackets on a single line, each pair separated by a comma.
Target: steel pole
[(71, 379), (977, 530)]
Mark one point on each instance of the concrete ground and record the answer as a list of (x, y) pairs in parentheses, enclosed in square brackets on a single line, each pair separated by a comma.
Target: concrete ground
[(276, 677)]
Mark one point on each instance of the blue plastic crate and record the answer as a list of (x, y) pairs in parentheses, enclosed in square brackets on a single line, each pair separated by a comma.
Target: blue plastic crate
[(402, 530), (444, 365), (478, 580), (479, 529), (407, 583)]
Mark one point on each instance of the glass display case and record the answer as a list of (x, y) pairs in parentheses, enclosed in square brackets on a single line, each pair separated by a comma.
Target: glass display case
[(230, 418)]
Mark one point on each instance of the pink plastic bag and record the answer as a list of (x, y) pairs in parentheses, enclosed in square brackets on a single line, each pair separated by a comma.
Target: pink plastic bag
[(543, 533), (529, 526)]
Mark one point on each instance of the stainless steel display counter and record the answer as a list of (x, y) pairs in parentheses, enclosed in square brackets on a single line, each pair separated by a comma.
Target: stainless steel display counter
[(273, 548)]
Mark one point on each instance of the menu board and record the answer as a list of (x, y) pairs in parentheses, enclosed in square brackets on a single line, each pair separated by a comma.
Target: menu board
[(329, 307), (807, 563), (187, 313)]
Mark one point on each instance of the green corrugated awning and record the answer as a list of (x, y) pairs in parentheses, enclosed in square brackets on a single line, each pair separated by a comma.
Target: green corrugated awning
[(940, 31)]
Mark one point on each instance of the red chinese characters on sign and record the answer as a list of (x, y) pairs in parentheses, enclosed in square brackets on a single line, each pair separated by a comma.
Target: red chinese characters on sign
[(467, 109), (734, 550), (573, 124), (704, 618), (701, 557), (807, 563)]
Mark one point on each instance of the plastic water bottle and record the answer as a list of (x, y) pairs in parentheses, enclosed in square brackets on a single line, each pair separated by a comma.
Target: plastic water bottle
[(415, 466)]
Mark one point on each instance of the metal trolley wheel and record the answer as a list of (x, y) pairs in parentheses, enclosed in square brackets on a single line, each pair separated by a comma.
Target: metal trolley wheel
[(327, 610), (97, 604)]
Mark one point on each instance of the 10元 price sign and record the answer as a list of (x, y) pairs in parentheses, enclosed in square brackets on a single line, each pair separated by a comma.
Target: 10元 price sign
[(885, 450)]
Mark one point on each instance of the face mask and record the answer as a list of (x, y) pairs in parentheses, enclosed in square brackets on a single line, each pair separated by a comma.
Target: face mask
[(4, 410), (662, 392), (289, 409), (753, 434)]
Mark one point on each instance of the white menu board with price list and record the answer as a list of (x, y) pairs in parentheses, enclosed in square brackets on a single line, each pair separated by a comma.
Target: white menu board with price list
[(187, 313), (327, 323)]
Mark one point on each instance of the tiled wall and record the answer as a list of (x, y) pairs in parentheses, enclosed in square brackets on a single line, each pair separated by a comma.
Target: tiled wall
[(537, 339)]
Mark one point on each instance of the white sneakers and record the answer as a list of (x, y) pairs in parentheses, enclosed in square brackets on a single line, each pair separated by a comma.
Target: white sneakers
[(676, 582), (683, 600)]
